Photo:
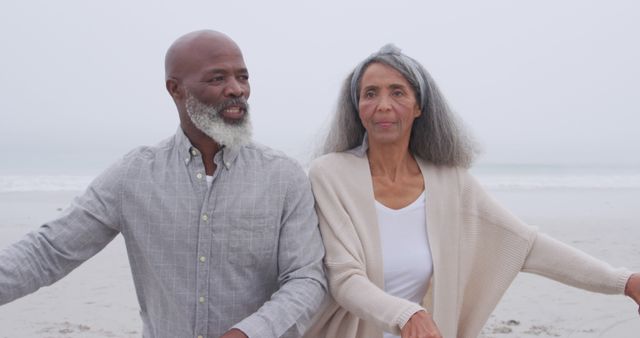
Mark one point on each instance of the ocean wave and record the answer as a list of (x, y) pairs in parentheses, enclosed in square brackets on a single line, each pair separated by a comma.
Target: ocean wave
[(490, 181), (44, 183), (533, 182)]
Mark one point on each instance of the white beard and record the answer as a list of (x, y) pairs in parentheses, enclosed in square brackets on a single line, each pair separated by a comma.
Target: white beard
[(208, 120)]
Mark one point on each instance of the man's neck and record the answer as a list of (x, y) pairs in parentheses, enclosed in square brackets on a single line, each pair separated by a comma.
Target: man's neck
[(206, 145)]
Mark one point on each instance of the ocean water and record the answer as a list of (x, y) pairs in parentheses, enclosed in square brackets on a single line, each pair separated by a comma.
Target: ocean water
[(513, 177), (500, 177), (44, 183)]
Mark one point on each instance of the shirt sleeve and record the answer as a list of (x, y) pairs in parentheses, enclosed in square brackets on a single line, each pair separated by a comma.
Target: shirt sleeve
[(302, 283), (553, 259), (348, 281), (49, 253)]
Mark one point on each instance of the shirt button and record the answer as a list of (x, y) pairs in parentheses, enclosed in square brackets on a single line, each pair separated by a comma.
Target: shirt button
[(200, 337), (199, 176), (205, 217), (186, 160), (227, 164), (201, 300), (194, 152), (203, 258)]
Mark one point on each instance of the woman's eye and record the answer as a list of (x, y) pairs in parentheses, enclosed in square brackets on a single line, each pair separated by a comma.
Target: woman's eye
[(369, 94), (398, 93)]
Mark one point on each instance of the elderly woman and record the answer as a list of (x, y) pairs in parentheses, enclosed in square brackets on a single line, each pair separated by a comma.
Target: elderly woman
[(414, 245)]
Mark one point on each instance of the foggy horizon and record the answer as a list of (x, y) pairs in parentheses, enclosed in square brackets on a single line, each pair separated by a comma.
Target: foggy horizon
[(536, 83)]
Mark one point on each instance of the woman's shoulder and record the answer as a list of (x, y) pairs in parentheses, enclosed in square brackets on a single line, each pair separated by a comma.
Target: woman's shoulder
[(443, 172), (332, 162)]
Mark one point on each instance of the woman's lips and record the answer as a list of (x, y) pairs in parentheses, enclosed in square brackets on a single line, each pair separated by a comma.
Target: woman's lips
[(384, 124)]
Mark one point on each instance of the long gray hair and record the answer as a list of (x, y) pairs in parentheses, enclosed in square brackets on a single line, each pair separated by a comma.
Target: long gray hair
[(437, 135)]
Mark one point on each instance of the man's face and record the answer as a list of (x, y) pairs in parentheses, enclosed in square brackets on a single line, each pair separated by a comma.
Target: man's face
[(216, 74), (213, 120), (215, 81)]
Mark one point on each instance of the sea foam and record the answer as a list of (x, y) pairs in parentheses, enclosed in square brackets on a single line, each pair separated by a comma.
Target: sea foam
[(491, 177), (44, 183), (532, 182)]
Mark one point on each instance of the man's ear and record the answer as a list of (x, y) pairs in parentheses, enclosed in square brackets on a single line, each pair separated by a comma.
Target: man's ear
[(174, 89)]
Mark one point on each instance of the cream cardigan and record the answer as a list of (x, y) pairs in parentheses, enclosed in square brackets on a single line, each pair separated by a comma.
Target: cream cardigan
[(477, 246)]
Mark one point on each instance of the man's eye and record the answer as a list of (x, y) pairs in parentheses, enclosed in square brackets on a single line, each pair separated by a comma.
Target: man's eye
[(216, 79), (244, 77)]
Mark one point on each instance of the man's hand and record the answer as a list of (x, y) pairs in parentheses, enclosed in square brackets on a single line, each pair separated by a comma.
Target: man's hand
[(234, 333), (420, 325), (633, 288)]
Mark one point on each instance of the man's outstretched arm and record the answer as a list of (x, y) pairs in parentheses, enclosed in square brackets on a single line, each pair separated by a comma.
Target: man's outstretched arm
[(49, 253)]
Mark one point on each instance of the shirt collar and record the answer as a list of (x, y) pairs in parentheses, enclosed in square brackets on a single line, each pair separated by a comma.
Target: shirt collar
[(229, 155), (185, 149), (188, 151)]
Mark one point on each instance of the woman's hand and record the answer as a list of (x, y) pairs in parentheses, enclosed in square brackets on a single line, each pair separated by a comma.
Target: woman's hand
[(420, 325), (633, 288)]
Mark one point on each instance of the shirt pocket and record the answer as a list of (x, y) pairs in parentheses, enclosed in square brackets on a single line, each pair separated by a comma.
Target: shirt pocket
[(252, 240)]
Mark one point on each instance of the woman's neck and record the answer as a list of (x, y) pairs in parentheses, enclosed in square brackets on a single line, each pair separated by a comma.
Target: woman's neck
[(397, 179), (391, 160)]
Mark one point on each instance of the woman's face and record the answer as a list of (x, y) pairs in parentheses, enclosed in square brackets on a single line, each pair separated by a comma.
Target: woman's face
[(387, 106)]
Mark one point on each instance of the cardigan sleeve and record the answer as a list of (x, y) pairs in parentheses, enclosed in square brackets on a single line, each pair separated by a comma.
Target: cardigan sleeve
[(553, 259), (346, 270)]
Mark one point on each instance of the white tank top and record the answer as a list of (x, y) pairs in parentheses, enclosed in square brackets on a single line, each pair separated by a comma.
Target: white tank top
[(406, 254)]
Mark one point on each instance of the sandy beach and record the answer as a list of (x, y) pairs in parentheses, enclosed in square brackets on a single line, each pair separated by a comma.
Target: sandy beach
[(602, 222), (95, 300), (98, 299)]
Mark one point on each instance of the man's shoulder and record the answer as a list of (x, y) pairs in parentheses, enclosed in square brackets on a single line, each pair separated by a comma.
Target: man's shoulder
[(269, 157), (149, 152), (139, 162)]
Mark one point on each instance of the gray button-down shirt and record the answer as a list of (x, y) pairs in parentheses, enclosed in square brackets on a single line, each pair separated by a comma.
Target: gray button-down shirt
[(244, 252)]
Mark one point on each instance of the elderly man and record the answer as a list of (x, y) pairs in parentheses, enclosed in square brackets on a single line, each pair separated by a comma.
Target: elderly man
[(221, 232)]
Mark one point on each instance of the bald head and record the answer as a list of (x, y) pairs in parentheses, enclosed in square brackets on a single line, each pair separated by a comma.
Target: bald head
[(192, 49), (206, 69)]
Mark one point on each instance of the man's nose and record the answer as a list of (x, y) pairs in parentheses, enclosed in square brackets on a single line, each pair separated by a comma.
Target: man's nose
[(235, 89)]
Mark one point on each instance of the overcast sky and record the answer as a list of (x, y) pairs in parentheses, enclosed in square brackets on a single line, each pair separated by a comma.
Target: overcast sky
[(535, 81)]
